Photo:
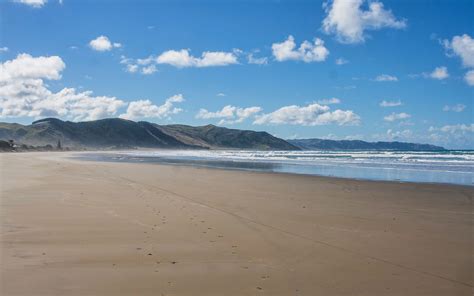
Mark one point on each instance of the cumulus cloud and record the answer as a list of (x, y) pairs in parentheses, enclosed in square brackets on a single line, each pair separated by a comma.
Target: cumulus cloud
[(221, 94), (463, 47), (455, 128), (183, 59), (469, 77), (146, 61), (23, 92), (143, 66), (454, 108), (341, 61), (148, 70), (32, 3), (130, 68), (179, 59), (385, 77), (390, 103), (396, 116), (307, 52), (455, 135), (392, 135), (229, 114), (439, 73), (27, 67), (310, 115), (102, 43), (251, 59), (329, 101), (146, 109), (348, 20)]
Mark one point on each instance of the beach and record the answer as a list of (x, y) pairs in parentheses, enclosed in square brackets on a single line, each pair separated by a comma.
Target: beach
[(72, 227)]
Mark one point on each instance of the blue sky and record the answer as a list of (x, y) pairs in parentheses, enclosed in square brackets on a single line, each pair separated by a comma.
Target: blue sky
[(233, 63)]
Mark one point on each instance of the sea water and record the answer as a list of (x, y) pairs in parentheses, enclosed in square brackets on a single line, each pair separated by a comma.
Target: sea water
[(454, 167)]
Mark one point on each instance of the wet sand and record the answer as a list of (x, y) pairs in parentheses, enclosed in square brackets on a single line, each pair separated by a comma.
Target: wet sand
[(72, 227)]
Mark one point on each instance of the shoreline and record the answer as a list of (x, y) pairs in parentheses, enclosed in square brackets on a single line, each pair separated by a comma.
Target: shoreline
[(203, 165), (71, 227)]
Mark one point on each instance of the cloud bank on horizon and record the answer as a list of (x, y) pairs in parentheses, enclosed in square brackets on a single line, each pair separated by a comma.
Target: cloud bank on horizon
[(295, 86)]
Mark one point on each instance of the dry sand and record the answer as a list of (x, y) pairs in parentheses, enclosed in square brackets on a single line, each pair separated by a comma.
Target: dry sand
[(72, 227)]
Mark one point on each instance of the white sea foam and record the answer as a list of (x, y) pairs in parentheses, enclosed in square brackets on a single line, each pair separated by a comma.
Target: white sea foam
[(387, 157), (420, 166)]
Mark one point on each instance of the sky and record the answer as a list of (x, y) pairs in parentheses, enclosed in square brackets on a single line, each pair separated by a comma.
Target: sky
[(344, 69)]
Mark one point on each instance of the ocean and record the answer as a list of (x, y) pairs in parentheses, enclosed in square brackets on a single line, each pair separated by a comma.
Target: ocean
[(451, 167)]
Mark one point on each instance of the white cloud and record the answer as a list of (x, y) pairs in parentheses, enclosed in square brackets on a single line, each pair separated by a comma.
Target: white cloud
[(146, 61), (32, 3), (24, 93), (146, 109), (453, 129), (349, 21), (226, 112), (102, 43), (217, 58), (385, 77), (229, 114), (257, 61), (27, 67), (458, 136), (341, 61), (399, 135), (306, 52), (439, 73), (463, 47), (3, 49), (329, 101), (143, 66), (469, 77), (310, 115), (148, 70), (390, 103), (455, 108), (221, 94), (396, 116), (131, 68), (182, 59)]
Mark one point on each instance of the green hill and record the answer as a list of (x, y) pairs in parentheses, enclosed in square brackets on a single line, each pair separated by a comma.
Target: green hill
[(115, 133)]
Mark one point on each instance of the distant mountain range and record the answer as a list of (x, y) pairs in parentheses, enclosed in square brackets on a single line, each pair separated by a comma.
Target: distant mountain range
[(321, 144), (115, 133)]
